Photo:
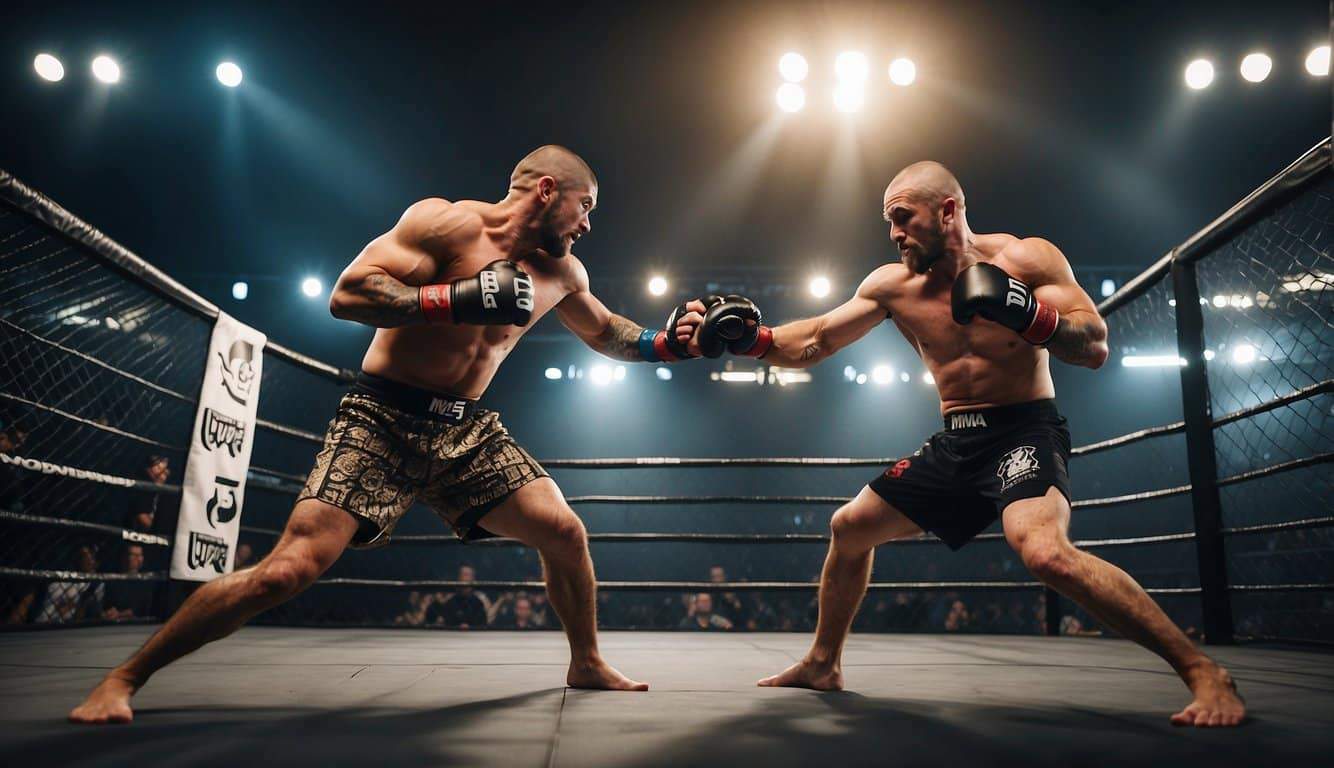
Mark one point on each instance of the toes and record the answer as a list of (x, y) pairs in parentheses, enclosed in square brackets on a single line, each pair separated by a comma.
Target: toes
[(1183, 718)]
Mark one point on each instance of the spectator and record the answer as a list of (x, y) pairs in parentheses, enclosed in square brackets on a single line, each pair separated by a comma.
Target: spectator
[(958, 619), (19, 604), (521, 617), (415, 615), (129, 599), (464, 609), (245, 557), (12, 439), (701, 616), (69, 601), (728, 602), (143, 505)]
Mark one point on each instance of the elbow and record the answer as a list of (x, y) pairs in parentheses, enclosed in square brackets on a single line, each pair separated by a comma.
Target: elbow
[(1098, 355), (338, 304)]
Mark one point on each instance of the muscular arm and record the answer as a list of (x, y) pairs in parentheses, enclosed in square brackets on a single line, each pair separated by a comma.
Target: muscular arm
[(803, 343), (1081, 336), (601, 329), (379, 287)]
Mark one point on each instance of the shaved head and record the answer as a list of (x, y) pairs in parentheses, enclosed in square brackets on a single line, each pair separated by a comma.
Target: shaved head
[(568, 169), (926, 181)]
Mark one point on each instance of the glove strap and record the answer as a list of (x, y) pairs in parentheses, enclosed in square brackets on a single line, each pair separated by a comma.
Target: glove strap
[(435, 303), (1043, 326), (764, 339)]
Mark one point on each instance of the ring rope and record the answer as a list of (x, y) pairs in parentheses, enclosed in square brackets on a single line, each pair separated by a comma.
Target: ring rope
[(60, 522), (90, 422)]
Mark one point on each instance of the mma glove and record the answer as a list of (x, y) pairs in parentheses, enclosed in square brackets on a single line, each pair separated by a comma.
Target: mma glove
[(987, 290), (500, 294), (733, 324)]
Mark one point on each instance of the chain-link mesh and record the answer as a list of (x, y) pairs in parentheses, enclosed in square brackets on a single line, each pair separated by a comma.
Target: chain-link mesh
[(1269, 326)]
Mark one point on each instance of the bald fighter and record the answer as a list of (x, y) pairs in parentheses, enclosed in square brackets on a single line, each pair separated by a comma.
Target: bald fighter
[(450, 290), (985, 312)]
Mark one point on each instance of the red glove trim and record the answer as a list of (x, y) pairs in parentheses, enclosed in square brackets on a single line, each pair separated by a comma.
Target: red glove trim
[(434, 301), (660, 347), (1043, 326), (763, 341)]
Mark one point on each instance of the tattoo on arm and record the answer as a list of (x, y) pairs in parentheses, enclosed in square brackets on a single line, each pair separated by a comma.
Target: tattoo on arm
[(1075, 340), (620, 340), (811, 352), (381, 301)]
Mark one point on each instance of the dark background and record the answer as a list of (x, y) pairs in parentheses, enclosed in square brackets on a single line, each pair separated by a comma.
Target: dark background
[(1069, 121)]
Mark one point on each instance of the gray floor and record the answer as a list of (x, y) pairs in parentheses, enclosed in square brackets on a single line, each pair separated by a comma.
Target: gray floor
[(376, 697)]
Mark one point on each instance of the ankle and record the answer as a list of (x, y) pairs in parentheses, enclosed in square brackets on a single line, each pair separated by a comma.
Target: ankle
[(586, 659), (822, 659)]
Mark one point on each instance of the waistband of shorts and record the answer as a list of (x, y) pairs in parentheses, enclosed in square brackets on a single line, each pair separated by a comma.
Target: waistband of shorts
[(1001, 416), (415, 401)]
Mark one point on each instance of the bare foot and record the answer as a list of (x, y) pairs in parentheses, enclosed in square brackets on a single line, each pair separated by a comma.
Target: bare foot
[(1217, 703), (807, 674), (599, 675), (108, 703)]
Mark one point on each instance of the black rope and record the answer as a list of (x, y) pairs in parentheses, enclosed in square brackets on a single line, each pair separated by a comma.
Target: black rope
[(1274, 469), (1290, 525), (646, 462), (283, 429), (708, 499), (1323, 587), (111, 530), (89, 422), (673, 586), (1130, 497), (1127, 439)]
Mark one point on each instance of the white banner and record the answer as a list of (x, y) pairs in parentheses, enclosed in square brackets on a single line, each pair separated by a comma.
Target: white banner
[(215, 471)]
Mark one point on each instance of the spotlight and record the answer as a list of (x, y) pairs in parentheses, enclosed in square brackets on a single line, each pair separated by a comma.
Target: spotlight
[(882, 374), (1317, 61), (861, 378), (791, 97), (1209, 354), (1220, 301), (618, 373), (1243, 354), (1256, 67), (902, 72), (229, 74), (1108, 287), (106, 69), (1199, 74), (851, 67), (240, 290), (820, 287), (49, 67), (553, 374), (793, 67), (312, 287), (657, 285), (600, 375), (904, 377), (928, 379), (663, 373), (849, 97), (849, 373), (740, 377)]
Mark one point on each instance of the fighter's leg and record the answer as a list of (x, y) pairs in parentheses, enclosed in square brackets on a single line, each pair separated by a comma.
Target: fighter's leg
[(537, 515), (855, 530), (1037, 529), (316, 535)]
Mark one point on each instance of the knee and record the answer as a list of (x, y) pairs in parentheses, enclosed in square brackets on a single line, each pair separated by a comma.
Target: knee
[(567, 538), (1049, 560), (278, 578), (845, 533)]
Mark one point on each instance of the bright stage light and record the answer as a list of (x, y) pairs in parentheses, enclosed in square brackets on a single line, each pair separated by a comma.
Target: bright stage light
[(600, 375), (657, 285), (791, 97), (851, 67), (553, 374), (1108, 287), (106, 69), (1152, 361), (1199, 74), (1317, 61), (849, 97), (849, 373), (902, 72), (739, 377), (663, 373), (312, 287), (240, 290), (820, 287), (861, 378), (229, 74), (1243, 354), (1256, 67), (49, 67), (882, 374), (793, 67), (1220, 301), (928, 379)]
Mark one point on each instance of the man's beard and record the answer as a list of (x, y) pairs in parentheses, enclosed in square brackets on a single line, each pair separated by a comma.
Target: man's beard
[(551, 241)]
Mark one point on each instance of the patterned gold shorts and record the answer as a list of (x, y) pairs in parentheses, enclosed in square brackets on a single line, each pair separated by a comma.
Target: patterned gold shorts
[(379, 457)]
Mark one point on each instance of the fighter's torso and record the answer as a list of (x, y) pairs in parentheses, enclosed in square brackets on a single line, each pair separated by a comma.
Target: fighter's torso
[(975, 365), (462, 359)]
